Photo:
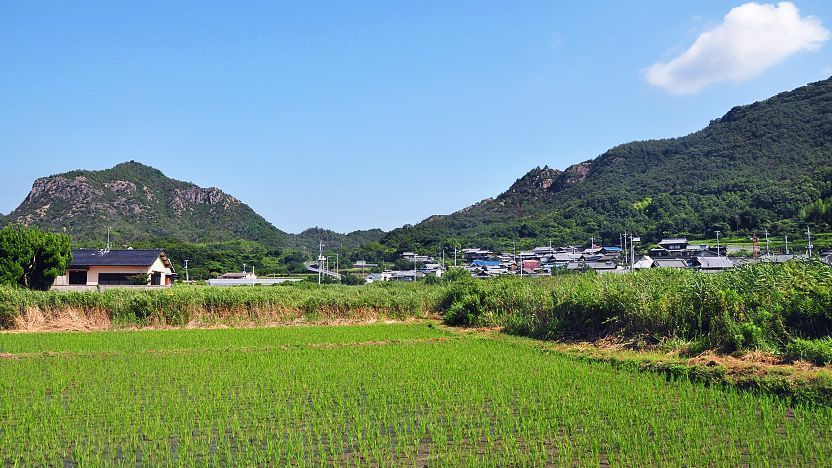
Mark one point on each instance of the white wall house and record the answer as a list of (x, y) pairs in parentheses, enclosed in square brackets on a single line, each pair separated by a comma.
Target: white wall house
[(98, 269)]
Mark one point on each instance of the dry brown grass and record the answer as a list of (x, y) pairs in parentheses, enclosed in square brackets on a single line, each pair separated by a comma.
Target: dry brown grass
[(68, 319)]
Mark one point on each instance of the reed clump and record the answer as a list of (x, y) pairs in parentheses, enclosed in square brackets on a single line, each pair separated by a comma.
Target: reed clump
[(183, 305), (763, 306)]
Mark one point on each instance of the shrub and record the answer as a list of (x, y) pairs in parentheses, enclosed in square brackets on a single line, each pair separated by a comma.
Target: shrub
[(815, 351), (760, 306)]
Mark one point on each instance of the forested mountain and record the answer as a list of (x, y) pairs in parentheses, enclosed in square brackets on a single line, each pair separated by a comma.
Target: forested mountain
[(145, 209), (308, 239), (765, 165), (140, 204)]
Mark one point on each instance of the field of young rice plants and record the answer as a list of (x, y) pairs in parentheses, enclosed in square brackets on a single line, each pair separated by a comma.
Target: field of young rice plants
[(370, 395)]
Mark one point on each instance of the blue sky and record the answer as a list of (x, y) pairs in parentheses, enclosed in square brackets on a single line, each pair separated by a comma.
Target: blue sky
[(396, 110)]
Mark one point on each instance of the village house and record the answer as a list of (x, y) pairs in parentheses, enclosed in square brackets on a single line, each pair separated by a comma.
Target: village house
[(98, 269), (711, 264), (406, 276), (670, 263), (643, 262), (675, 247), (470, 255), (681, 248)]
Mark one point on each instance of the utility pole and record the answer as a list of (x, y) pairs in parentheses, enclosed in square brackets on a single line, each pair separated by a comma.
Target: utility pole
[(718, 254), (787, 244), (633, 240), (336, 263), (768, 250), (454, 256), (320, 260), (108, 239), (809, 245), (187, 277), (624, 246)]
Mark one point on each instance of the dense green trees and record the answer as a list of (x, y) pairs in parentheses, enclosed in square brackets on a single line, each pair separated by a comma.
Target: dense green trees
[(763, 166), (31, 257)]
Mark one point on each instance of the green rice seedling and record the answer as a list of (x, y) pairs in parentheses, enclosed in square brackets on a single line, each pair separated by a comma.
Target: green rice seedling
[(391, 395)]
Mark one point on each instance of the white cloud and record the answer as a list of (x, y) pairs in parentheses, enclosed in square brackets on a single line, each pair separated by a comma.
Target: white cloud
[(751, 39)]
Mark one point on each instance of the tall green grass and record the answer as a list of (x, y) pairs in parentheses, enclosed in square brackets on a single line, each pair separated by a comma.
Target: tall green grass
[(763, 306), (182, 304)]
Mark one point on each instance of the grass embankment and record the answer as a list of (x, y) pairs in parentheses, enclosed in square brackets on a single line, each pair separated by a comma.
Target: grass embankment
[(673, 319), (338, 396), (201, 306)]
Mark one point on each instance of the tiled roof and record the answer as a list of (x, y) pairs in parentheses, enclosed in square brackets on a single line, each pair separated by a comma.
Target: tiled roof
[(675, 240), (670, 263), (714, 262), (135, 257)]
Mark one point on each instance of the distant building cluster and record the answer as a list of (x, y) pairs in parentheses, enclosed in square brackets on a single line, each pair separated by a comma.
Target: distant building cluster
[(423, 265), (101, 269), (669, 253)]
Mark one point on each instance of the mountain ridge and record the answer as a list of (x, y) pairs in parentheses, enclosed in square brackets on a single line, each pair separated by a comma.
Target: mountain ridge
[(131, 193), (139, 203), (755, 167)]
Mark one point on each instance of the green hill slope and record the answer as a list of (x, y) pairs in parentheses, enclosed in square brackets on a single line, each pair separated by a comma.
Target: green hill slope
[(140, 204), (759, 166)]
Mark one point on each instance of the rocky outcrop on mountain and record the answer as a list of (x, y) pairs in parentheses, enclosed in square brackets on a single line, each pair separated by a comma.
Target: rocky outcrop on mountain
[(763, 166), (139, 203)]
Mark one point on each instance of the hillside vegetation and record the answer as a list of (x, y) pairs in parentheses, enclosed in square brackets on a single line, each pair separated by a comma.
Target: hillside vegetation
[(216, 232), (765, 165), (140, 204)]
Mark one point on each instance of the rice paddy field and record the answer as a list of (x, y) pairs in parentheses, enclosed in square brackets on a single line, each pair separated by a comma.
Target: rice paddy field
[(370, 395)]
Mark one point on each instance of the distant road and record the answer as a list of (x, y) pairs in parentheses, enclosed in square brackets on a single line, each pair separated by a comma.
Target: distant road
[(314, 268)]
